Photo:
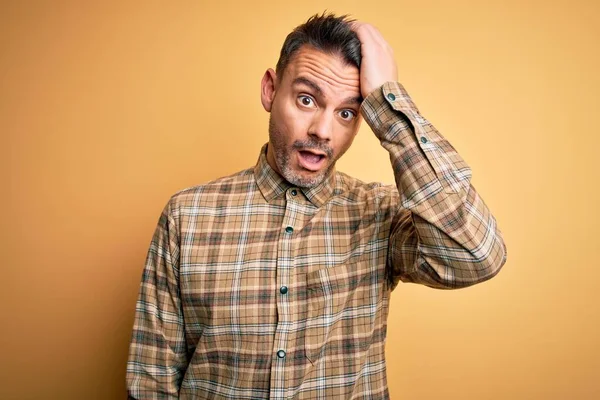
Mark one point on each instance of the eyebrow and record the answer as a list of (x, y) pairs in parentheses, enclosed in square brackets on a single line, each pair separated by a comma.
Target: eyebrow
[(305, 81), (354, 100)]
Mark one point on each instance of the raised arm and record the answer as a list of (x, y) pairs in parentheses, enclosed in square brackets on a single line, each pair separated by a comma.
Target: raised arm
[(443, 235)]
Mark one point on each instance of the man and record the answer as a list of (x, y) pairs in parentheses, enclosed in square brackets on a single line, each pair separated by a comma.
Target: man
[(275, 282)]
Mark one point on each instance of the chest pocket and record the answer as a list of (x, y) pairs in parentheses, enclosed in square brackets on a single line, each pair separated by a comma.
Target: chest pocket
[(341, 305)]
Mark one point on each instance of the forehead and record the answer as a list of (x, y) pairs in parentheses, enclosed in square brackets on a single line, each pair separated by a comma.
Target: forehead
[(333, 75)]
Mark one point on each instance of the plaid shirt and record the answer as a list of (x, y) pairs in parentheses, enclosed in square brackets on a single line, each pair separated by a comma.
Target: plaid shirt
[(256, 289)]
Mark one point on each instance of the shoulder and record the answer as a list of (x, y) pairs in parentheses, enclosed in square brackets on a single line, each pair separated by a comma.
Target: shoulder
[(214, 192)]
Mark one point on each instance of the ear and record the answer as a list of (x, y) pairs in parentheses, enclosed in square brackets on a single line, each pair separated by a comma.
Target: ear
[(267, 89)]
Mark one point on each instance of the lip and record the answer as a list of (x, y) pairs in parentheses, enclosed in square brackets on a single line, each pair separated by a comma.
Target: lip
[(309, 164), (319, 153)]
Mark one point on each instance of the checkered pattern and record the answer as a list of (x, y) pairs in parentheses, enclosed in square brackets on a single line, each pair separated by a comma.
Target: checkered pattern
[(255, 289)]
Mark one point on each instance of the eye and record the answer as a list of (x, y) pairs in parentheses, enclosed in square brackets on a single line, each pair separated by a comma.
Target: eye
[(306, 101), (347, 115)]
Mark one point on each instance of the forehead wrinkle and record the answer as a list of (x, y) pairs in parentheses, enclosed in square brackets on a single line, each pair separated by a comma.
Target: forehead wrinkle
[(333, 83), (329, 69)]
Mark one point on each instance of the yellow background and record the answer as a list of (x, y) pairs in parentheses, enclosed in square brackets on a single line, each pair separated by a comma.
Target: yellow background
[(107, 109)]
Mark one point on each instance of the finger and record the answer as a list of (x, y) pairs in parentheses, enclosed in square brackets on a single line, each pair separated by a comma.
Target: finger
[(358, 28), (368, 33), (376, 35), (354, 25)]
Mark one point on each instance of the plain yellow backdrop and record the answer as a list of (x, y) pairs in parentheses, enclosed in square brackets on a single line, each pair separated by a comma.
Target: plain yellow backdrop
[(109, 107)]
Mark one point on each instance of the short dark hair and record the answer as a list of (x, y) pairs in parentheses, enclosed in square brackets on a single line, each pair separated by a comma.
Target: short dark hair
[(325, 32)]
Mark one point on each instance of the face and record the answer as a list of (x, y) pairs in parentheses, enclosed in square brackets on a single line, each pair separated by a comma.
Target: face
[(314, 118)]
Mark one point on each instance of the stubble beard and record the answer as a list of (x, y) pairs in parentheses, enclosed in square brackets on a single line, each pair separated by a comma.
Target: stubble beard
[(282, 159)]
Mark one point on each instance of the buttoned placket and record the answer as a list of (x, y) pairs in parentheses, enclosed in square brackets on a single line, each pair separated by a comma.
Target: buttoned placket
[(292, 221)]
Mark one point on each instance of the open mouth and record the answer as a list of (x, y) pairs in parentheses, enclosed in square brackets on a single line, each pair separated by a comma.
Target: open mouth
[(310, 160)]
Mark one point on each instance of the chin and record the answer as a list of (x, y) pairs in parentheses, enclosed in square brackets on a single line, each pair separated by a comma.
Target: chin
[(306, 180)]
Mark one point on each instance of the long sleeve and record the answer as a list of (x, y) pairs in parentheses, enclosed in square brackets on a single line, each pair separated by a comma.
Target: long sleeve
[(157, 354), (442, 234)]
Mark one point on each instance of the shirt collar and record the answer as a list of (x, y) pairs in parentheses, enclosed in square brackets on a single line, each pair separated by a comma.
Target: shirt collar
[(272, 185)]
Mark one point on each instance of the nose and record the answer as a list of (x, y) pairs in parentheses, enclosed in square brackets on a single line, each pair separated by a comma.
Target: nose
[(321, 126)]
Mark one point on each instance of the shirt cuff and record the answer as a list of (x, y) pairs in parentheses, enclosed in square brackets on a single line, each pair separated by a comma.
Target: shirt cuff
[(395, 120)]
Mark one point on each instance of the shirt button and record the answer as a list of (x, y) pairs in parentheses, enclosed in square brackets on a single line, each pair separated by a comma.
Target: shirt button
[(289, 229), (283, 290), (423, 139), (391, 96), (281, 354), (294, 192)]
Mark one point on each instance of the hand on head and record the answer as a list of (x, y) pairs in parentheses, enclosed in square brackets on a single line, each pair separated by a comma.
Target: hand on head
[(378, 65)]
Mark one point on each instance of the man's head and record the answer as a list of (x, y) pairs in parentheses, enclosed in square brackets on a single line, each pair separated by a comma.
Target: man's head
[(327, 33), (314, 99)]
